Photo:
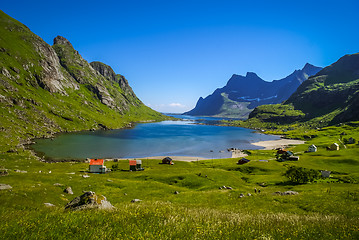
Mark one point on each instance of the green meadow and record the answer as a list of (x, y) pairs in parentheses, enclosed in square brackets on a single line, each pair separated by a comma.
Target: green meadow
[(326, 208)]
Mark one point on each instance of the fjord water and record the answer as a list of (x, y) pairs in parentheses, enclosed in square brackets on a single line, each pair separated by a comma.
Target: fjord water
[(168, 138)]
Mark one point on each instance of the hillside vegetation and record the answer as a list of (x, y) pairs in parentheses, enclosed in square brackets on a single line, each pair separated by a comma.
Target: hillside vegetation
[(48, 89), (330, 97), (326, 208)]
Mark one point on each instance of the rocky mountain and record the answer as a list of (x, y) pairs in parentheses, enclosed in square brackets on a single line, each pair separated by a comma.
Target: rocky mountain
[(243, 93), (47, 89), (331, 96)]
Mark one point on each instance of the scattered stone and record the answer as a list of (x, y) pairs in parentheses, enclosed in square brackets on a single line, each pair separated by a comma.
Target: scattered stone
[(135, 200), (109, 180), (68, 190), (125, 194), (248, 194), (176, 192), (229, 188), (4, 186), (49, 204), (220, 187), (241, 195), (70, 173), (85, 176), (4, 172), (259, 191), (286, 193), (20, 171), (89, 200), (58, 184)]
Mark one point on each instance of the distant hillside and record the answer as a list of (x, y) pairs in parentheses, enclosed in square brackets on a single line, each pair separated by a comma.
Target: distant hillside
[(243, 93), (47, 89), (331, 96)]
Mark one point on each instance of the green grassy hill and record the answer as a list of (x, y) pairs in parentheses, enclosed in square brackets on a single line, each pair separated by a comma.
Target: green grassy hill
[(48, 89), (323, 209)]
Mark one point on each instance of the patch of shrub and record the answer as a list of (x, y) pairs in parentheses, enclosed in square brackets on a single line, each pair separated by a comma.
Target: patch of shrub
[(301, 175)]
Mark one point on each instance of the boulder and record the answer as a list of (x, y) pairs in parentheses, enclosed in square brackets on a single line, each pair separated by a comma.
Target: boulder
[(286, 193), (68, 190), (49, 205), (89, 200), (4, 186)]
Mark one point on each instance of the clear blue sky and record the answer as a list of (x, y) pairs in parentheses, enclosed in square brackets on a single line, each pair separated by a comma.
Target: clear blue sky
[(174, 51)]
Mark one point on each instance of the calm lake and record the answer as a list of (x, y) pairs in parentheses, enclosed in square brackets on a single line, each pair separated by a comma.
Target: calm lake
[(167, 138)]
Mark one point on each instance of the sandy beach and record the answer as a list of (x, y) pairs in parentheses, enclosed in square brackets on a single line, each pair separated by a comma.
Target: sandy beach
[(281, 143)]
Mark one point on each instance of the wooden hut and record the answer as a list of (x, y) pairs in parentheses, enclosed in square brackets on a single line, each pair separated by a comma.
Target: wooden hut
[(334, 147), (312, 148), (167, 160), (243, 161), (97, 166)]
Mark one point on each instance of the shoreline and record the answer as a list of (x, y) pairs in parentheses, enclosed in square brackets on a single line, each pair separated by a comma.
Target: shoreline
[(267, 145)]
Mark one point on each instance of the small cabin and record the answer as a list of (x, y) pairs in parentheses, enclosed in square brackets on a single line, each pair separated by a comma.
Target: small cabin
[(243, 161), (312, 148), (334, 147), (97, 166), (325, 173), (167, 160), (136, 165)]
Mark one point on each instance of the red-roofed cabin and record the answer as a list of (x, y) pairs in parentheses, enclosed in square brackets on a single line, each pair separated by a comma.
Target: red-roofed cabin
[(97, 166)]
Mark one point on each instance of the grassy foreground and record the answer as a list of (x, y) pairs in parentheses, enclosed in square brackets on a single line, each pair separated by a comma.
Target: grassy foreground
[(324, 209)]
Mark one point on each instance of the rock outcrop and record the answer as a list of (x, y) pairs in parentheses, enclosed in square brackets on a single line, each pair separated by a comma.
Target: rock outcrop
[(89, 200)]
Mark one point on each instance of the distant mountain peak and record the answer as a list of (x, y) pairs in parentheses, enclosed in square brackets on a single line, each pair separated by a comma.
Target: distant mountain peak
[(243, 93), (61, 40), (251, 74)]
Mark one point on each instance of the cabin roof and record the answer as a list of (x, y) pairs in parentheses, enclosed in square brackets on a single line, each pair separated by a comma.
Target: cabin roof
[(96, 161)]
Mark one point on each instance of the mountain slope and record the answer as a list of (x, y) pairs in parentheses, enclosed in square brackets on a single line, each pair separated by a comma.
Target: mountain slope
[(48, 89), (243, 93), (329, 97)]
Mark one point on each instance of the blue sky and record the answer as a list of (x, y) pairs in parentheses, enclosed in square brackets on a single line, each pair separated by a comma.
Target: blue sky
[(172, 52)]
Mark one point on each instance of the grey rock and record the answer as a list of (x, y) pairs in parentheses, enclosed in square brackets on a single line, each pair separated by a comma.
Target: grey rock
[(286, 193), (135, 200), (89, 200), (248, 194), (68, 190), (58, 184), (49, 205), (176, 192), (85, 176), (4, 186), (20, 171)]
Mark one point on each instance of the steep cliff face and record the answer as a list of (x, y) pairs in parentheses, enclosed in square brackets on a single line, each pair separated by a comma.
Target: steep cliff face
[(47, 89), (243, 93)]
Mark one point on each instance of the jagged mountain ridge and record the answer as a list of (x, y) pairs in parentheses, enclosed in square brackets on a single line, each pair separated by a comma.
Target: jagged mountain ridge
[(48, 89), (329, 97), (243, 93)]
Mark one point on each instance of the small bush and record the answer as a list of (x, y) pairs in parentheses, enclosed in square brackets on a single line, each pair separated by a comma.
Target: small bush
[(114, 167), (301, 175)]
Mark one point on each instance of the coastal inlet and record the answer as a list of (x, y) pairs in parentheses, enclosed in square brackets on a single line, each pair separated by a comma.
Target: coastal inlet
[(167, 138)]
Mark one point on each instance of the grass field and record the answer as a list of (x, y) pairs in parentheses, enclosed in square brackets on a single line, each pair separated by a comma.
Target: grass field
[(323, 209)]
